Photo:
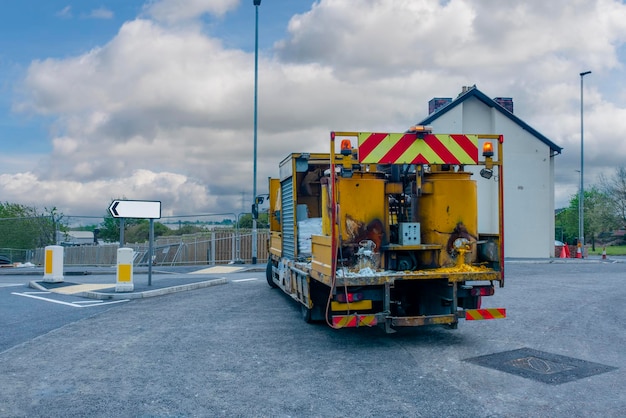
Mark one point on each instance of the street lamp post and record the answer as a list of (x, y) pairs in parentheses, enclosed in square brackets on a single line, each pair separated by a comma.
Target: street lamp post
[(256, 3), (581, 197)]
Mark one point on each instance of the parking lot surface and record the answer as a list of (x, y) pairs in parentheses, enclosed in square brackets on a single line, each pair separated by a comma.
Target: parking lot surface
[(241, 349)]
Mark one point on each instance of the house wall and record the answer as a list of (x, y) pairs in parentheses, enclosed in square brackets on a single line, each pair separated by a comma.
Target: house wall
[(528, 174)]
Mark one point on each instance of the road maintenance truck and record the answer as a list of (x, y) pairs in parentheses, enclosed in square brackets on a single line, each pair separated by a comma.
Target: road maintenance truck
[(383, 230)]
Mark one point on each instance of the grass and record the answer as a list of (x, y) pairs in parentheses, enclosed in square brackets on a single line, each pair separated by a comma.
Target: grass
[(610, 250)]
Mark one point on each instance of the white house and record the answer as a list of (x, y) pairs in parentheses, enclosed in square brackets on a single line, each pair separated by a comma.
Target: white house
[(528, 169)]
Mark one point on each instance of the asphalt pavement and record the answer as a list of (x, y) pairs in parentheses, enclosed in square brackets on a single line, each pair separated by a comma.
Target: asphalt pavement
[(242, 349)]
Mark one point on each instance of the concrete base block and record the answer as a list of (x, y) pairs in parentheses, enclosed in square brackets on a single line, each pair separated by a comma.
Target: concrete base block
[(124, 287), (53, 279)]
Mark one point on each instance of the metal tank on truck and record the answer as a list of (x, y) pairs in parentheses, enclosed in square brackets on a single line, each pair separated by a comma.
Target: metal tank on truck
[(384, 229)]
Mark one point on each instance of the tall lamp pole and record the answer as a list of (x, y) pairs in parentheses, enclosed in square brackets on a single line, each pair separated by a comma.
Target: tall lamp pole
[(581, 197), (255, 207)]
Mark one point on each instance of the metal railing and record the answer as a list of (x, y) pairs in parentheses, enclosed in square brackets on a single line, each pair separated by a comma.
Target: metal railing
[(217, 247)]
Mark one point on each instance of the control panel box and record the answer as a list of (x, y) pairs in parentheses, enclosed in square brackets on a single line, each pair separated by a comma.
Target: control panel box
[(409, 233)]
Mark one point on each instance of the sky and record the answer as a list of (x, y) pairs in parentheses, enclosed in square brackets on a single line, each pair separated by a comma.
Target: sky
[(154, 100)]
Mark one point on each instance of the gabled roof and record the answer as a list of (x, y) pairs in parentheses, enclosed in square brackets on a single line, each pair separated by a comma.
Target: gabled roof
[(474, 92)]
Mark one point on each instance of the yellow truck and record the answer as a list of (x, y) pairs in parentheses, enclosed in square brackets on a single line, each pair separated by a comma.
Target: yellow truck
[(383, 230)]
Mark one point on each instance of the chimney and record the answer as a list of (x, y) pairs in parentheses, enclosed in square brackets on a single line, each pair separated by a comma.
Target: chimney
[(437, 103), (505, 102), (465, 89)]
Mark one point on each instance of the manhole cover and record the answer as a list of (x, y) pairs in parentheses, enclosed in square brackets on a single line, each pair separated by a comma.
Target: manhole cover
[(538, 365)]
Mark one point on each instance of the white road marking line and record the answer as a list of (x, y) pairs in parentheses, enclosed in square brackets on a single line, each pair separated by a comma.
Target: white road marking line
[(244, 280), (72, 304), (89, 301), (96, 303), (217, 269), (11, 284)]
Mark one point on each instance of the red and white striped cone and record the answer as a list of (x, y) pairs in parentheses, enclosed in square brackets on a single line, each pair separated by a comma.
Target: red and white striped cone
[(604, 253), (579, 253)]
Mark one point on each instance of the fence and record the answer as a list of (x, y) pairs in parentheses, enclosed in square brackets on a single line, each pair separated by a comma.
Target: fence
[(217, 247), (16, 256), (23, 240)]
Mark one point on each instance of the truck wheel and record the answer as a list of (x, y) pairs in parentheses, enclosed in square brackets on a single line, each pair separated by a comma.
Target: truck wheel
[(306, 314), (269, 274)]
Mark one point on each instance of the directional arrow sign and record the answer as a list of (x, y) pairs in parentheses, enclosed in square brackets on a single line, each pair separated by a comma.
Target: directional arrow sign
[(143, 209)]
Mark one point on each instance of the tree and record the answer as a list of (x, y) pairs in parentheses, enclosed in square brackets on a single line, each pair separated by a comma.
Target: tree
[(110, 229), (135, 230), (23, 227), (615, 188), (245, 221), (140, 231), (49, 231), (566, 221), (599, 216)]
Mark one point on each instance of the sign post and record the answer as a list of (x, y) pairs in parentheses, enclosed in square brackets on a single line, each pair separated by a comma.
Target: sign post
[(140, 209), (151, 251)]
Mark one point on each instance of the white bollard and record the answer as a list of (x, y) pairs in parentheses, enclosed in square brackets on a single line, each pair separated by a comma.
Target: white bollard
[(53, 264), (124, 270)]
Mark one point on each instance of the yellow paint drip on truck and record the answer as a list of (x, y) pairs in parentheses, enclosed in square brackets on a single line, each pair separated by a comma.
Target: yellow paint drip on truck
[(463, 268)]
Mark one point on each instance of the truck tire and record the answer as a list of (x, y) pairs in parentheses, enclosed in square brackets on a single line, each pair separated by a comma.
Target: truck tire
[(269, 274), (306, 314)]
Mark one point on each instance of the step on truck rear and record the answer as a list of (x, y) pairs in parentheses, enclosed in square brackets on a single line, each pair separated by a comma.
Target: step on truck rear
[(384, 229)]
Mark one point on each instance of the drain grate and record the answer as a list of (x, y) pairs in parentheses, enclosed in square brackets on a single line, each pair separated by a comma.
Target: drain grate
[(537, 365)]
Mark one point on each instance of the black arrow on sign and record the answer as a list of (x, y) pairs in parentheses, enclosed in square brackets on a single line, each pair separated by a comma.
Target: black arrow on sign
[(114, 207)]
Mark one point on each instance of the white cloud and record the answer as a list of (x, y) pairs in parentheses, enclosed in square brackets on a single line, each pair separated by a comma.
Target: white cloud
[(164, 111), (93, 197), (65, 12), (101, 13), (177, 11)]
